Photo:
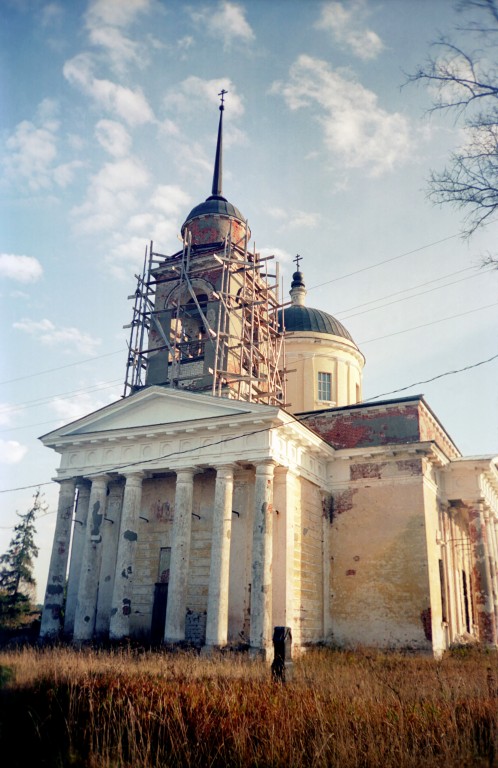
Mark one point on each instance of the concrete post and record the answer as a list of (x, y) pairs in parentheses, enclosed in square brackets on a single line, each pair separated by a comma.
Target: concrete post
[(54, 596), (79, 533), (125, 563), (482, 576), (84, 622), (174, 630), (261, 592), (217, 608)]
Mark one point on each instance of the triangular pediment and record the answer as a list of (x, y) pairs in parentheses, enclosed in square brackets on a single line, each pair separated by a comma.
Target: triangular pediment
[(152, 407)]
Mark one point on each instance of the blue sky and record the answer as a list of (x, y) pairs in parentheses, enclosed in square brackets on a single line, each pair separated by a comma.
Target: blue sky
[(108, 129)]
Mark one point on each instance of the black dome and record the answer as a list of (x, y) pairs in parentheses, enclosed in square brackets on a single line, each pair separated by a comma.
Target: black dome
[(215, 205), (300, 318)]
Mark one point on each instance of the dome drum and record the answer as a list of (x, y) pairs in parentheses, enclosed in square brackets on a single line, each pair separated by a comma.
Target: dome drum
[(209, 228)]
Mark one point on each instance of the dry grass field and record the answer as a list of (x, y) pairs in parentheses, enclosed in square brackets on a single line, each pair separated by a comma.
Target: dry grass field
[(137, 709)]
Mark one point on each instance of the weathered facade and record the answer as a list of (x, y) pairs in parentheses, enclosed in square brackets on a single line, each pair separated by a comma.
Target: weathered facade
[(208, 506)]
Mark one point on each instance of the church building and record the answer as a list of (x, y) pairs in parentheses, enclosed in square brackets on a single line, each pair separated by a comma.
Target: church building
[(241, 483)]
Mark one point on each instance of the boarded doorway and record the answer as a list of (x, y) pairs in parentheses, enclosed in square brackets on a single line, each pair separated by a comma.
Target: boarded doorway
[(160, 598)]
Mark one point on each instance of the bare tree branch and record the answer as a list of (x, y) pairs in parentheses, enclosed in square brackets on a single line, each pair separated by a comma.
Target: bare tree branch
[(465, 81)]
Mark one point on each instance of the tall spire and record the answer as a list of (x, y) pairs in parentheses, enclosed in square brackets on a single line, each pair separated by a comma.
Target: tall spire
[(218, 163)]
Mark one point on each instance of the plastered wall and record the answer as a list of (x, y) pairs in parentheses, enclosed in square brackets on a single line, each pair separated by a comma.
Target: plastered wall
[(378, 587)]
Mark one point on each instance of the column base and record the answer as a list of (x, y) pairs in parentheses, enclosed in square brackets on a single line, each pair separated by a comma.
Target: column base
[(208, 651), (261, 654)]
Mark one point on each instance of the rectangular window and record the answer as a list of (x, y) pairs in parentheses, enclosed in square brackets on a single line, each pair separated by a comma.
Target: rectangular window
[(325, 386)]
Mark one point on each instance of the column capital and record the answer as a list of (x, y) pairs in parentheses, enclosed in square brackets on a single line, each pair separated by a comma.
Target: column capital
[(100, 479), (282, 470), (185, 474), (133, 478), (66, 482), (225, 469), (265, 467)]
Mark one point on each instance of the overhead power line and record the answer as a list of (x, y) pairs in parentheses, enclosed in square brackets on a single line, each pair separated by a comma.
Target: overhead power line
[(385, 261), (434, 378), (33, 375), (257, 431), (426, 325)]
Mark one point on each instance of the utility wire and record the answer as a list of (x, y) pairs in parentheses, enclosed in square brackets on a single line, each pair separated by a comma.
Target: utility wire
[(414, 295), (61, 367), (426, 325), (385, 261), (254, 432), (405, 290), (62, 396), (318, 285), (434, 378)]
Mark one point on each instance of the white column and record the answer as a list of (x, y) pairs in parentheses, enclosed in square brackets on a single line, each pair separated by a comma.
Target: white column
[(217, 609), (285, 496), (54, 595), (125, 563), (79, 531), (261, 602), (180, 553), (84, 622), (110, 538)]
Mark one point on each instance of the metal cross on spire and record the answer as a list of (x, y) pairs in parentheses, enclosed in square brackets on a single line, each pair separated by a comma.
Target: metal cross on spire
[(297, 260), (222, 94)]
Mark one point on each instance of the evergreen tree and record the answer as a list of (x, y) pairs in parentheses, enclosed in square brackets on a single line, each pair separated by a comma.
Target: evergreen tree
[(16, 569)]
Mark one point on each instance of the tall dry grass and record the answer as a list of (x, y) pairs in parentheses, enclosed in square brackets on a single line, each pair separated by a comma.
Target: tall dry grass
[(141, 709)]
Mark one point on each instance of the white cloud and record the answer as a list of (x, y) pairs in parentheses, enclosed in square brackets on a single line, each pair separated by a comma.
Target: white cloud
[(115, 13), (120, 48), (111, 195), (81, 404), (227, 22), (126, 103), (170, 199), (51, 15), (303, 219), (12, 452), (106, 21), (24, 269), (346, 23), (33, 150), (64, 174), (161, 225), (194, 93), (113, 137), (294, 219), (5, 414), (283, 257), (47, 333), (356, 130)]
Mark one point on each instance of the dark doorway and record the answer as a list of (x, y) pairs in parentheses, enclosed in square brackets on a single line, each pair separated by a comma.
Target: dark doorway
[(159, 613), (160, 598)]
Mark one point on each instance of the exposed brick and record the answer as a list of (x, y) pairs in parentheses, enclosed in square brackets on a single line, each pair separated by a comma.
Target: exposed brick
[(366, 470), (343, 501)]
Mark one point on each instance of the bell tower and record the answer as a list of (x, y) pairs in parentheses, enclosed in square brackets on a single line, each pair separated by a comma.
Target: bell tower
[(206, 318)]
